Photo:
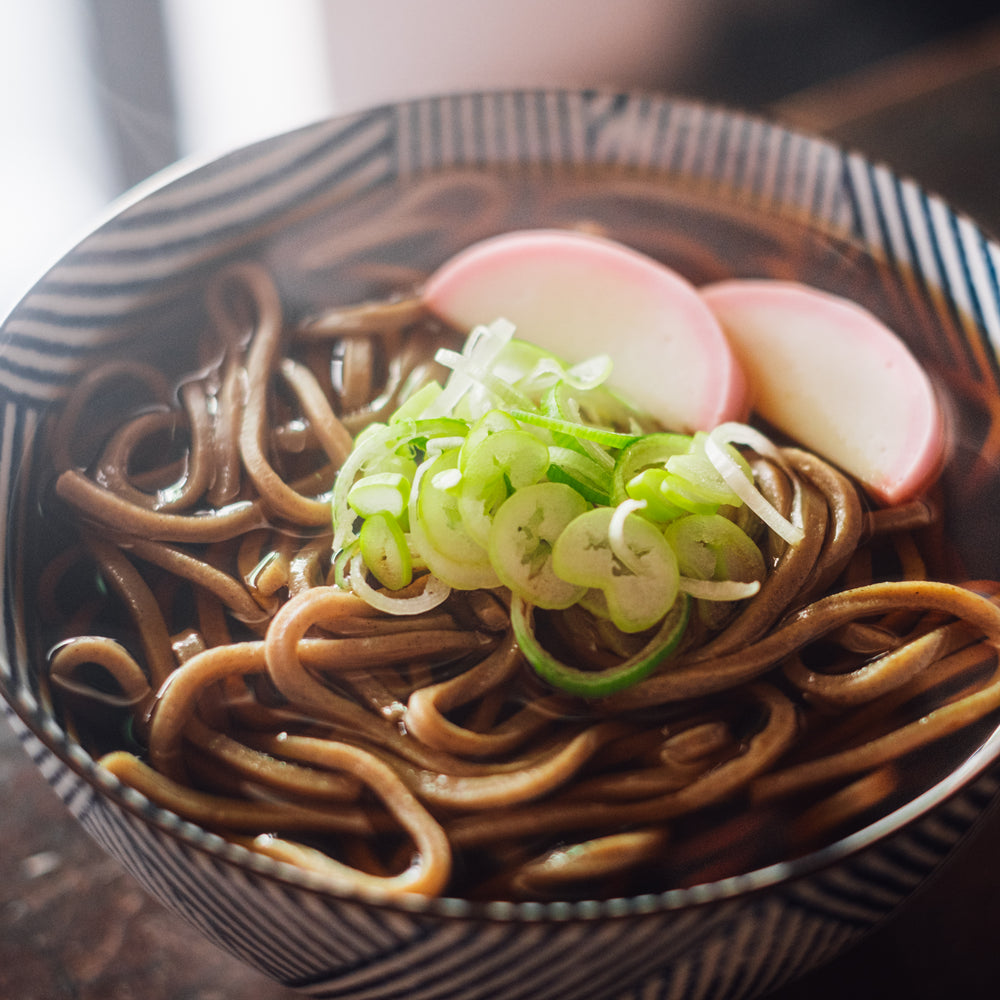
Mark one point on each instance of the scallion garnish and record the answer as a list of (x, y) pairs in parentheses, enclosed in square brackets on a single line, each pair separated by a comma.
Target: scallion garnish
[(524, 473)]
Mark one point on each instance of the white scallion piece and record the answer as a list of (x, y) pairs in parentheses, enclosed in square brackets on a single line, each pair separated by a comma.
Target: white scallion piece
[(616, 535), (434, 593), (735, 433)]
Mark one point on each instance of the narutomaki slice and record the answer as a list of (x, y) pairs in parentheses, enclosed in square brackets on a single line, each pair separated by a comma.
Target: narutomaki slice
[(833, 376)]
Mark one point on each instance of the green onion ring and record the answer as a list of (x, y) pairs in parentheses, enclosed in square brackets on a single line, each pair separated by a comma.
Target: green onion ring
[(600, 435), (598, 683)]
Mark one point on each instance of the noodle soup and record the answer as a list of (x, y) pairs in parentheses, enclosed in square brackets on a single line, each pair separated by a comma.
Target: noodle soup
[(189, 489)]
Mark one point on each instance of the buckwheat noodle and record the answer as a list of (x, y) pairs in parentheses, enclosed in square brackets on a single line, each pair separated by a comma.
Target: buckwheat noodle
[(195, 616)]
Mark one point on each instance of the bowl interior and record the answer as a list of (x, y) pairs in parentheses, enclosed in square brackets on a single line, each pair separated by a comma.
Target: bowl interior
[(361, 208)]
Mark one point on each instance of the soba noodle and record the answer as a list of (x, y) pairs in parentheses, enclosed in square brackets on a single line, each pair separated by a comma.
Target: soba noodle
[(206, 654)]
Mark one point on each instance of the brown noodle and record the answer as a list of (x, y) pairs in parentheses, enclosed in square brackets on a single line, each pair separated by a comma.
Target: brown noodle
[(422, 754)]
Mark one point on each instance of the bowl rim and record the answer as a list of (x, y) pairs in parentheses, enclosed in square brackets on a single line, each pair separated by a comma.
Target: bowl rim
[(30, 721)]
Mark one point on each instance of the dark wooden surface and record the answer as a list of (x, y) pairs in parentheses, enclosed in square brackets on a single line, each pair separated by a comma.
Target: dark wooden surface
[(73, 926)]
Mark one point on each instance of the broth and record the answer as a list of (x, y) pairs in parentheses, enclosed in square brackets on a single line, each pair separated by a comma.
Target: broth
[(378, 249)]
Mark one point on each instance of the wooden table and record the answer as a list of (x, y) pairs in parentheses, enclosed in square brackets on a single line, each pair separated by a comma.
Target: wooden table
[(73, 926)]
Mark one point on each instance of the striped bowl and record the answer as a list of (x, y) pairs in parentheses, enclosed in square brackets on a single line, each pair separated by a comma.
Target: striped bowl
[(710, 191)]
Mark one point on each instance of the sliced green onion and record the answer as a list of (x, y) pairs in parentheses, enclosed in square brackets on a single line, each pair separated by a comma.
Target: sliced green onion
[(680, 492), (718, 590), (588, 374), (703, 478), (718, 454), (523, 534), (446, 480), (599, 683), (585, 376), (373, 444), (505, 461), (616, 535), (647, 452), (555, 404), (426, 429), (435, 592), (596, 603), (436, 445), (417, 404), (481, 347), (377, 446), (385, 551), (640, 593), (587, 477), (476, 374), (439, 534), (342, 565), (489, 423), (649, 486), (383, 491), (559, 404), (599, 435), (711, 547), (494, 475)]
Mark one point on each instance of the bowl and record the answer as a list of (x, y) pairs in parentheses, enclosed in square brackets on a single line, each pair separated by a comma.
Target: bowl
[(400, 187)]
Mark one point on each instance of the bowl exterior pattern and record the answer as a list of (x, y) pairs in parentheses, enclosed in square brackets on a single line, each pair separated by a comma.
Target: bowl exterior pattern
[(739, 939), (326, 947)]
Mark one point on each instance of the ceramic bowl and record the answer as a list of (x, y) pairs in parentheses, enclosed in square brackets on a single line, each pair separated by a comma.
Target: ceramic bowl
[(712, 192)]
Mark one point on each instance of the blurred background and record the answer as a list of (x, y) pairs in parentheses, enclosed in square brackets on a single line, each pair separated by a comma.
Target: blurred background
[(97, 95)]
